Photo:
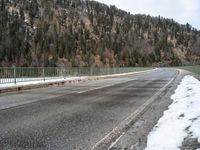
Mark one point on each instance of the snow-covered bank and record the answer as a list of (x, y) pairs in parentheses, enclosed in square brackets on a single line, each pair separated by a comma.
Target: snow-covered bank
[(181, 120), (39, 81), (34, 81)]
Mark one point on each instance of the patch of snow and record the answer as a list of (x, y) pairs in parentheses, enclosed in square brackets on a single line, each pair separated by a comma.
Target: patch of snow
[(26, 20), (182, 119)]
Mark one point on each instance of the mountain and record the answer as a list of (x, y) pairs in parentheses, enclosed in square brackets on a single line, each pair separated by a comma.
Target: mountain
[(88, 33)]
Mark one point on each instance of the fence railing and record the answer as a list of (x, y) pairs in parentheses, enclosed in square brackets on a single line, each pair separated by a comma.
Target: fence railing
[(24, 74), (195, 69)]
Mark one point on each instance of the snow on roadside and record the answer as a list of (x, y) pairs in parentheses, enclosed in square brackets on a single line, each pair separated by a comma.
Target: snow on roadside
[(39, 81), (33, 81), (182, 119)]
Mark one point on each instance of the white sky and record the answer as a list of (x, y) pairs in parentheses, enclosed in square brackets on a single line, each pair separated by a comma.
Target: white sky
[(182, 11)]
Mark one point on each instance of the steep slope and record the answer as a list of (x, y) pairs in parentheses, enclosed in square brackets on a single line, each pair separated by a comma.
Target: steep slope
[(88, 33)]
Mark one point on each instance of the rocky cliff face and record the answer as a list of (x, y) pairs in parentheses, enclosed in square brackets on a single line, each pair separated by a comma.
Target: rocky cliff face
[(88, 33)]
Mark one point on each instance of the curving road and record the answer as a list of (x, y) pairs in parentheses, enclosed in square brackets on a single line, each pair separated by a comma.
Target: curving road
[(75, 117)]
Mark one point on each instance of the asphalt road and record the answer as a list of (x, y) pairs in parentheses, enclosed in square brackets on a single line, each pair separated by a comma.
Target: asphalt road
[(74, 117)]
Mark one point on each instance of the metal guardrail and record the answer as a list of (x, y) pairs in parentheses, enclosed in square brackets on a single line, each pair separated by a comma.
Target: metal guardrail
[(24, 74), (195, 69)]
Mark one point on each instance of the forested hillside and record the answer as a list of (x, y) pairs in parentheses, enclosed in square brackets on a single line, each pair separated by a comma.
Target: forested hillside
[(88, 33)]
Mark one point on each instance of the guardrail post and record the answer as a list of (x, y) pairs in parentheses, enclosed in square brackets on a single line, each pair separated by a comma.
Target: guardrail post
[(14, 73), (79, 72), (91, 70), (43, 73), (64, 72)]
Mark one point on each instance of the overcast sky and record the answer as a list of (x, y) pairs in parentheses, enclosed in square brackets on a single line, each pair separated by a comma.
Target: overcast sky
[(182, 11)]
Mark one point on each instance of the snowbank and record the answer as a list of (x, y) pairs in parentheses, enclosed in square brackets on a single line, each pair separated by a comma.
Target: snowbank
[(182, 119), (31, 81)]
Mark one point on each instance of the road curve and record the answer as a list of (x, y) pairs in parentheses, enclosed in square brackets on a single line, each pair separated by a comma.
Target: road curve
[(75, 117)]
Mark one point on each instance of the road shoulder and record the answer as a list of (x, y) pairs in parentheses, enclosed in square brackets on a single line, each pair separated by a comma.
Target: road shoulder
[(136, 137)]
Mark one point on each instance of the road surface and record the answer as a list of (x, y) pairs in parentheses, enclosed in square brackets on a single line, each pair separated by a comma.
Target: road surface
[(78, 116)]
